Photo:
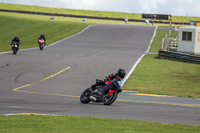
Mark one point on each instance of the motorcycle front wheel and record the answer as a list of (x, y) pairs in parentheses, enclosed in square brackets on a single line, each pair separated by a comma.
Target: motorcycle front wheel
[(85, 96), (41, 47), (107, 99), (14, 51)]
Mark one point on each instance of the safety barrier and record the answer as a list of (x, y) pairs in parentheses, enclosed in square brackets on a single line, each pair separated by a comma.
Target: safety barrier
[(179, 56), (84, 16)]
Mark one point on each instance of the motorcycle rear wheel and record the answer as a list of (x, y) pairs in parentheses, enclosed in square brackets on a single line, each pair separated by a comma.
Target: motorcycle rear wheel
[(85, 96), (107, 99)]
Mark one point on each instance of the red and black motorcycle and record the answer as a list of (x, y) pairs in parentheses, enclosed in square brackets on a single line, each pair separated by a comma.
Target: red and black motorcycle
[(106, 93), (41, 43)]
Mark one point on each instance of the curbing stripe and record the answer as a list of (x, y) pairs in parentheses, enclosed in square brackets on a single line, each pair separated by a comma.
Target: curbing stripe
[(163, 103)]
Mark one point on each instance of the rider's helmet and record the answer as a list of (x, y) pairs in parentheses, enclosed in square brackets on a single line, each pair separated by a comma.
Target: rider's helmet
[(121, 73), (42, 35)]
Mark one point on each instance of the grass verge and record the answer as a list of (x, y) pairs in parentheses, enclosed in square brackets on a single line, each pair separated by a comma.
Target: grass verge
[(165, 77), (52, 124), (89, 12), (30, 27)]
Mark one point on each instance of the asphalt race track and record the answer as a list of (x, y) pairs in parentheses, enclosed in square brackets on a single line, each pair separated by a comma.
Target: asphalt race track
[(51, 81)]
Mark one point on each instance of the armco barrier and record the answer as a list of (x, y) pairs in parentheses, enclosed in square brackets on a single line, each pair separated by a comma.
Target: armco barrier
[(179, 56), (84, 16)]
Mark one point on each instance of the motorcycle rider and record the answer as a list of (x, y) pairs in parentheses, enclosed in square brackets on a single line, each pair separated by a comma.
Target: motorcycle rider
[(42, 37), (16, 39), (108, 80)]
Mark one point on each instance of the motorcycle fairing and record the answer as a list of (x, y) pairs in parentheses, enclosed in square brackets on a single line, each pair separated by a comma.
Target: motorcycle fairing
[(111, 92), (103, 89)]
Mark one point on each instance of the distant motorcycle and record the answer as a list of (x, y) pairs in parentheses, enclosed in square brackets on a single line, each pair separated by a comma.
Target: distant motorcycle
[(104, 93), (41, 43), (15, 47)]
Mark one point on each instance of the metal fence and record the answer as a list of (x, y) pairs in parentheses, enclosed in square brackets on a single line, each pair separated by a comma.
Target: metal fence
[(179, 56)]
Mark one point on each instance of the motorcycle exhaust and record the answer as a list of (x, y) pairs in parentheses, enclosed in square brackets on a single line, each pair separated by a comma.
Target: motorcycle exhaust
[(93, 98)]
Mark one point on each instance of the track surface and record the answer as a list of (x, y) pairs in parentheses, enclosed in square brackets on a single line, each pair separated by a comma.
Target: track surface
[(100, 50)]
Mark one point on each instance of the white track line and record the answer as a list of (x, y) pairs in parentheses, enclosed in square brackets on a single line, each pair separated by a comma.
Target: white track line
[(135, 65)]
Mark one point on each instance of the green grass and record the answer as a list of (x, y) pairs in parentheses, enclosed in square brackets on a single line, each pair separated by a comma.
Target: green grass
[(70, 11), (165, 77), (90, 12), (68, 124), (30, 27)]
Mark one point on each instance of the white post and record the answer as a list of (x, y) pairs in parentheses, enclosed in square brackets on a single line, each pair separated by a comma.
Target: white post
[(170, 30)]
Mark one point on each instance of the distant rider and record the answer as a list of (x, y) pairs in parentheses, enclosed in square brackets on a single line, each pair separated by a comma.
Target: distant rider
[(42, 37), (16, 39), (109, 78), (126, 20)]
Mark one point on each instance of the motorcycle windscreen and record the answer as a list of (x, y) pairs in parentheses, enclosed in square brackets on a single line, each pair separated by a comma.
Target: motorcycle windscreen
[(14, 43)]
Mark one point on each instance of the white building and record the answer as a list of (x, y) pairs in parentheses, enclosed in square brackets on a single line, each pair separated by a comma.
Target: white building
[(189, 39)]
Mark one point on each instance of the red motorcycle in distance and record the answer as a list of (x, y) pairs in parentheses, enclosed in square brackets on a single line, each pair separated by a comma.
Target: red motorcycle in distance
[(41, 43)]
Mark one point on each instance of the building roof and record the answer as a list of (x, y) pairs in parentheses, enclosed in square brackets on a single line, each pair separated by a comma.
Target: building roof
[(190, 27)]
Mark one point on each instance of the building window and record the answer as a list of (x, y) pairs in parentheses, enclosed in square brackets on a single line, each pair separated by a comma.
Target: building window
[(187, 36)]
